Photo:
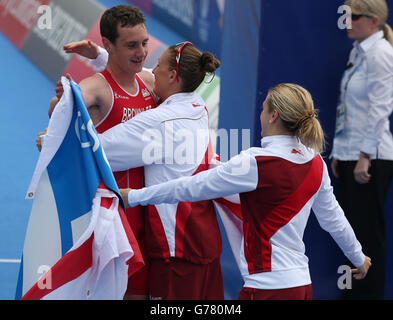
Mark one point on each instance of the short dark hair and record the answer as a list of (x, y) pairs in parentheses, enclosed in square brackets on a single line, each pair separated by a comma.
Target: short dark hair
[(123, 15)]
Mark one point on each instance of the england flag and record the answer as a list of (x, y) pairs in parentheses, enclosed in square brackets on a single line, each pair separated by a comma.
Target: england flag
[(78, 243)]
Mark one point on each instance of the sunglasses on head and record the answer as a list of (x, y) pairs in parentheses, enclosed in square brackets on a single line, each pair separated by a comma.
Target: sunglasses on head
[(179, 48), (355, 17)]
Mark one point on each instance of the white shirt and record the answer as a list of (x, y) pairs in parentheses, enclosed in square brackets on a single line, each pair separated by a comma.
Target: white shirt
[(367, 91), (242, 174)]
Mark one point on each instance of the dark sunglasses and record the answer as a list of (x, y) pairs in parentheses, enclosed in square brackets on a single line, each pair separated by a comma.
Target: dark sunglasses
[(355, 17), (179, 48)]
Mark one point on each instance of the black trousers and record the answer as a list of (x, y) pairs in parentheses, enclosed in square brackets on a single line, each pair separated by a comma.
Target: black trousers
[(363, 205)]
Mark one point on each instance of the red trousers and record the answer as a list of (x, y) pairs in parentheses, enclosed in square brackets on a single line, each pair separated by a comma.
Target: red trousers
[(297, 293), (177, 279), (138, 283)]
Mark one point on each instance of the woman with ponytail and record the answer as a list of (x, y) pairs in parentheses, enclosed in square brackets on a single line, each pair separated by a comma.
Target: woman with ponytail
[(183, 242), (362, 155), (278, 185)]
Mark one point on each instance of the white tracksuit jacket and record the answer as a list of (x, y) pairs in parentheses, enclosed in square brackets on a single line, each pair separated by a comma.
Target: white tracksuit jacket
[(278, 185), (170, 141)]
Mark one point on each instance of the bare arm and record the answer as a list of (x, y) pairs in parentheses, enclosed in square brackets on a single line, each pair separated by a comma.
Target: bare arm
[(96, 95)]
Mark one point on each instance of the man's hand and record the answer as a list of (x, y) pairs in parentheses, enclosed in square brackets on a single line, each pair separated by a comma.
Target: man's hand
[(361, 272), (59, 92), (38, 141), (59, 89), (85, 48), (124, 195)]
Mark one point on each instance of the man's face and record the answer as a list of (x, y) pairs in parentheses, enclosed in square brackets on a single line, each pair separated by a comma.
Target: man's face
[(131, 48)]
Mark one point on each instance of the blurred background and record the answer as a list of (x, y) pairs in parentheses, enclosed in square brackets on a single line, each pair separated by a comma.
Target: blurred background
[(260, 43)]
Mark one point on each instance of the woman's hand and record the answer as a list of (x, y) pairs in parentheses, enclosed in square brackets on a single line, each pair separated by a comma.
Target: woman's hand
[(333, 166), (124, 196), (361, 171), (85, 48), (361, 272)]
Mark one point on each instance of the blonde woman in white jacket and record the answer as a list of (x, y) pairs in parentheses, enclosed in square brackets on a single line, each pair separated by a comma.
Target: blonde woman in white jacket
[(278, 185)]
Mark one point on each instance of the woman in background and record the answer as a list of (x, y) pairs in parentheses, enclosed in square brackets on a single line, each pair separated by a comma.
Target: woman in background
[(362, 155)]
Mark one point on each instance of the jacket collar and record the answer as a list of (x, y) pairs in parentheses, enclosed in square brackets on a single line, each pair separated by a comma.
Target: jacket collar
[(366, 44), (281, 139)]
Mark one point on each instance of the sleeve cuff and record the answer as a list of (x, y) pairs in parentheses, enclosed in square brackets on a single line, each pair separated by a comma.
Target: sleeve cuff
[(370, 146), (132, 202), (358, 261), (332, 153), (100, 62)]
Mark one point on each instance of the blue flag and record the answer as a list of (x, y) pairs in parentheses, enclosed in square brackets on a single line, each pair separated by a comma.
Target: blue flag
[(76, 219)]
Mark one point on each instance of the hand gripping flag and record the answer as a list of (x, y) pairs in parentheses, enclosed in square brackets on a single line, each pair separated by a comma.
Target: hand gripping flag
[(78, 243)]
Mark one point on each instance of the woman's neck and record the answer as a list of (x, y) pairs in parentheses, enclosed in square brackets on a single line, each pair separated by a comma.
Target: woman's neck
[(170, 93)]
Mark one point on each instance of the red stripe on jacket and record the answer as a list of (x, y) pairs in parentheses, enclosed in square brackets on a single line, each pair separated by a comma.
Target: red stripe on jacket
[(283, 190), (197, 233)]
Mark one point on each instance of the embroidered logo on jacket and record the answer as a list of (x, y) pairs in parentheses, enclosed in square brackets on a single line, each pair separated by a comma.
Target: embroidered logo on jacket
[(295, 151)]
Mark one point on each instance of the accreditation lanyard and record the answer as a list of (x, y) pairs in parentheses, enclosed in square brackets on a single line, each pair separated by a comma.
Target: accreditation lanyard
[(342, 108)]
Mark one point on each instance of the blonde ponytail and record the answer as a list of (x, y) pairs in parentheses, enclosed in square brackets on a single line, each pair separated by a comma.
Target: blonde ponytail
[(310, 133), (388, 33), (295, 107)]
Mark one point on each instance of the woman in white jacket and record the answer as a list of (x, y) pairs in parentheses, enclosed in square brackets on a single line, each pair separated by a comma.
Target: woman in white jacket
[(183, 240), (278, 185)]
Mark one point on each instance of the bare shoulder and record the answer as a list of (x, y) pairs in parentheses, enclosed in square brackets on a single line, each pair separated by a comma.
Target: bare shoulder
[(94, 82), (96, 91), (148, 78)]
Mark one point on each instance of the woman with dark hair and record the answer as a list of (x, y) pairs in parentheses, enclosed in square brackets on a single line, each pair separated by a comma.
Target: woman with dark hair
[(183, 241)]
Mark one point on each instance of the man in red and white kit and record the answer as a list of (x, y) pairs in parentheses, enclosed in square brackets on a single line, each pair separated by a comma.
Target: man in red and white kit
[(116, 95)]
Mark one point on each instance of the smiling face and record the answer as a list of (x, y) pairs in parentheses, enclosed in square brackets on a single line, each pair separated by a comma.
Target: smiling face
[(164, 76), (130, 49)]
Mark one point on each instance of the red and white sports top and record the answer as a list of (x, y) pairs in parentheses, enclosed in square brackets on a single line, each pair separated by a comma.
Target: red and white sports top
[(124, 107), (278, 185)]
